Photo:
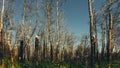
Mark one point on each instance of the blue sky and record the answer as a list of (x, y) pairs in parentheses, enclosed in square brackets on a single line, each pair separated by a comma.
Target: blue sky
[(77, 16)]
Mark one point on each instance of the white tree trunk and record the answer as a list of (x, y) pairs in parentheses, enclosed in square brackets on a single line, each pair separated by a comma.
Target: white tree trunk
[(2, 15)]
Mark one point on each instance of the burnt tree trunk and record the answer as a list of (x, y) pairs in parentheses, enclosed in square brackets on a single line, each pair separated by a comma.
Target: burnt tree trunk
[(21, 50), (91, 32), (110, 41), (36, 49), (1, 25), (57, 32), (49, 17)]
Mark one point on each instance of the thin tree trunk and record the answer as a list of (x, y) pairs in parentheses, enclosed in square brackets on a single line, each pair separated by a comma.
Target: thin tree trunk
[(91, 31), (1, 25), (2, 14), (109, 46), (57, 32), (36, 48), (110, 41), (49, 13)]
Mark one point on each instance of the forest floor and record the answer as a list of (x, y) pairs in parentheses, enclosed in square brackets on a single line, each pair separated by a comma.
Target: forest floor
[(62, 64)]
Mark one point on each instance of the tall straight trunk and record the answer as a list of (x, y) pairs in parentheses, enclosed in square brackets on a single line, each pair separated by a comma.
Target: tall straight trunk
[(57, 32), (91, 31), (1, 24), (110, 41), (49, 14), (2, 14), (109, 46)]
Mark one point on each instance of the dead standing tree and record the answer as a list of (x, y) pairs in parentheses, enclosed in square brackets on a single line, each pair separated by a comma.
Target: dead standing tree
[(110, 41), (1, 21), (92, 37), (50, 21), (109, 46), (106, 13), (21, 50), (57, 31)]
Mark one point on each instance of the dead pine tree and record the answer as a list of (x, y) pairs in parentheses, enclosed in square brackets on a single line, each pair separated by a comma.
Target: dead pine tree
[(110, 41), (1, 24), (57, 31), (50, 21), (92, 36), (109, 46)]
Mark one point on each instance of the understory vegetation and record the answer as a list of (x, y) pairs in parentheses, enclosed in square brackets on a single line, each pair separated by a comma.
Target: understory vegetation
[(59, 64)]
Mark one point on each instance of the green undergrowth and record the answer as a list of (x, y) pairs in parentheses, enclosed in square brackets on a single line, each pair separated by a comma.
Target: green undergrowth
[(57, 64)]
